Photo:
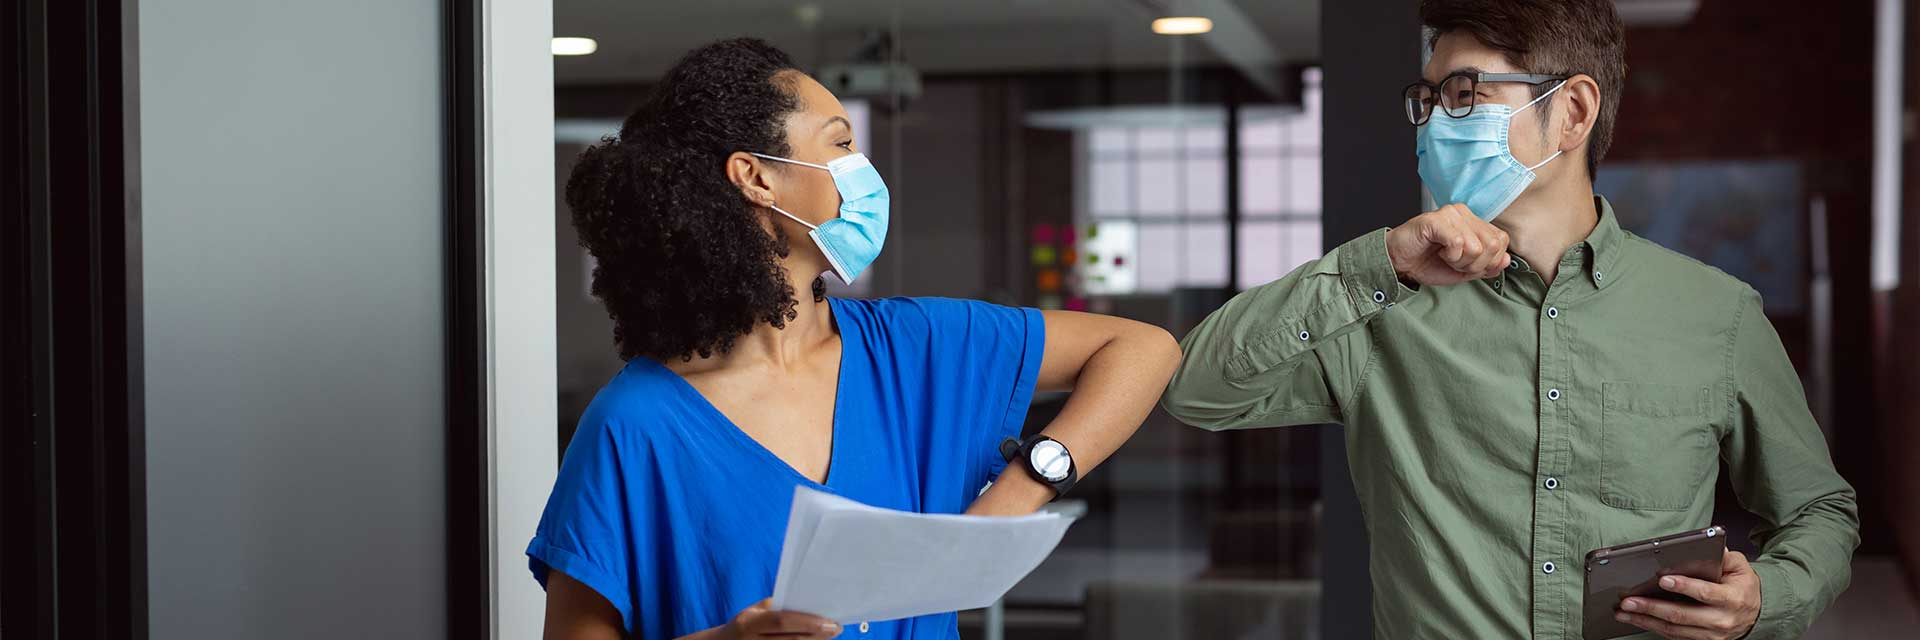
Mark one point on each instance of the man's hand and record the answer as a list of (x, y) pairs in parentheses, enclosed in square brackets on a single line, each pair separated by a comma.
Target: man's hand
[(1728, 608), (1447, 246)]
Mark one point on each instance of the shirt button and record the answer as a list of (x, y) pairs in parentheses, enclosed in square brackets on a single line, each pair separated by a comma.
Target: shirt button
[(1553, 312), (1552, 483), (1379, 296), (1304, 335), (864, 627), (1547, 567), (1599, 276), (1553, 394)]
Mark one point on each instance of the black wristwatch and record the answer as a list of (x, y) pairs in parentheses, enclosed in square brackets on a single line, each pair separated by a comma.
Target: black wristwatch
[(1046, 459)]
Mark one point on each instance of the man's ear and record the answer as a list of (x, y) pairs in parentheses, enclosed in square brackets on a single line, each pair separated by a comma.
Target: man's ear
[(1581, 112), (753, 178)]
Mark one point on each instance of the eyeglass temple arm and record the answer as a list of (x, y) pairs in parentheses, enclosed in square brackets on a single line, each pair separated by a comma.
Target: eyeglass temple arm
[(1529, 78)]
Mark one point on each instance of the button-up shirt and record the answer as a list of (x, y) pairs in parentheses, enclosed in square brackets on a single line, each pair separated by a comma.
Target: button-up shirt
[(1500, 429)]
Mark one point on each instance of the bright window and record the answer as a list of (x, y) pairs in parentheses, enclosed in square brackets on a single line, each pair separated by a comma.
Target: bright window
[(1162, 192)]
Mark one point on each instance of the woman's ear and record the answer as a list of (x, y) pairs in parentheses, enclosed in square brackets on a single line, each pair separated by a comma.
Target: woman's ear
[(752, 177), (1582, 111)]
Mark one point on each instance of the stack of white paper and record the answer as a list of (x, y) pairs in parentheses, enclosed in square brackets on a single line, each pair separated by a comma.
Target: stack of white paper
[(852, 563)]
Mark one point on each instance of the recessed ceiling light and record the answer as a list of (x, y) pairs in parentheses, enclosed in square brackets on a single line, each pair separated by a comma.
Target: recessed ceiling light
[(574, 46), (1182, 26)]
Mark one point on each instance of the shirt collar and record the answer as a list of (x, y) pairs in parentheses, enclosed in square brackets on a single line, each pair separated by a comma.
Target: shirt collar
[(1602, 248), (1603, 245)]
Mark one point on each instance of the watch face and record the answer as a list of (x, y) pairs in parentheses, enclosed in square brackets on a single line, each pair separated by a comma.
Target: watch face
[(1051, 460)]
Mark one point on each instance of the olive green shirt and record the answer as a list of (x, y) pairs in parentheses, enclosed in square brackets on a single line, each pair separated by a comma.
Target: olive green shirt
[(1500, 429)]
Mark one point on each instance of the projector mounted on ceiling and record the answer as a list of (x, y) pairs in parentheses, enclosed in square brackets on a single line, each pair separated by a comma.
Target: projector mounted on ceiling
[(1656, 13), (874, 74)]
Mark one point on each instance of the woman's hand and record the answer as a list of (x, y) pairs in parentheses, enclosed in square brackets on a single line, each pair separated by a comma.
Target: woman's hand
[(761, 621), (576, 612)]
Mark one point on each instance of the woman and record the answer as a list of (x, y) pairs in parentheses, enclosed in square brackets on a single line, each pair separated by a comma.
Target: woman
[(732, 188)]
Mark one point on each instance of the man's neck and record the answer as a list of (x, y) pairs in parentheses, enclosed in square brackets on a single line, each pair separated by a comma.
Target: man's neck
[(1544, 222)]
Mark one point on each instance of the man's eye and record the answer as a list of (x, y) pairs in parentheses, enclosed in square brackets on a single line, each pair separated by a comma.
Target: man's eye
[(845, 145)]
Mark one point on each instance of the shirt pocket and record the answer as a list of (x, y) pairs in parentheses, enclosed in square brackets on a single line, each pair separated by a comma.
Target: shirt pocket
[(1656, 447)]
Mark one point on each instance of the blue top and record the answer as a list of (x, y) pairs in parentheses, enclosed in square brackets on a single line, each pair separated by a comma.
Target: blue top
[(677, 516)]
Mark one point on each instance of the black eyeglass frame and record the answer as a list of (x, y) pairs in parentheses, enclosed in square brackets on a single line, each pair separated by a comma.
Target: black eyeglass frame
[(1426, 106)]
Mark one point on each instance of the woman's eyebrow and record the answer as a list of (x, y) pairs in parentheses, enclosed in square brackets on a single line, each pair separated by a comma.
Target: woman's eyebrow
[(838, 119)]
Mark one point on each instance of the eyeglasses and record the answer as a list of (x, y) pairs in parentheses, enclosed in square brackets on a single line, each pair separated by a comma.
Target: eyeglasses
[(1455, 94)]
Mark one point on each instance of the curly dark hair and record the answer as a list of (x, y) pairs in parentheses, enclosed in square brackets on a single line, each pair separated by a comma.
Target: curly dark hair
[(684, 264)]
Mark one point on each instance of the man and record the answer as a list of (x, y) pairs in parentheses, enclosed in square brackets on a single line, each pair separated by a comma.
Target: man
[(1521, 391)]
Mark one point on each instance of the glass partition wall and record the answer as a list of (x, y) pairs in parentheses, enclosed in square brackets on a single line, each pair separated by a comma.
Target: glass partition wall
[(1060, 155)]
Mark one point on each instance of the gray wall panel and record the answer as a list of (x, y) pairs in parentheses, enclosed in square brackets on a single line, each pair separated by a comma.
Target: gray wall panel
[(293, 208)]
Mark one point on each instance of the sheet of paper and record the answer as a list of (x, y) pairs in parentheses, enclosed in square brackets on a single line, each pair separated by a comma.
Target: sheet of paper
[(852, 563)]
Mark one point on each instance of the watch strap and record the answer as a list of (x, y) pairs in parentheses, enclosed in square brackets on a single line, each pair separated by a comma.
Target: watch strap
[(1013, 449)]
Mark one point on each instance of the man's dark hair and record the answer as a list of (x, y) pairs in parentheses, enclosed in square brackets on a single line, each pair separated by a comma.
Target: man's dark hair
[(1563, 37), (685, 265)]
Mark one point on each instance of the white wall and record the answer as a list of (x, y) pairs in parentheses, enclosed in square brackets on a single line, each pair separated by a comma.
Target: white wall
[(520, 232)]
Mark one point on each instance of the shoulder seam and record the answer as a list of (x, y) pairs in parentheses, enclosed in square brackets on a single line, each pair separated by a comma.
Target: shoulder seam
[(1732, 346), (1715, 271)]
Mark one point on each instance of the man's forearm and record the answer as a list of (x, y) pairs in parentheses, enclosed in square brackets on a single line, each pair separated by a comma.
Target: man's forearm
[(1804, 564), (1238, 358), (1780, 466)]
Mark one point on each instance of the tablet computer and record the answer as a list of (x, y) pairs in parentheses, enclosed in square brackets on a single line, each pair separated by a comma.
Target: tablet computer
[(1635, 569)]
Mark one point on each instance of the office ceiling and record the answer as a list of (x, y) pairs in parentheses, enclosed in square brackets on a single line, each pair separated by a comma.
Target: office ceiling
[(639, 39)]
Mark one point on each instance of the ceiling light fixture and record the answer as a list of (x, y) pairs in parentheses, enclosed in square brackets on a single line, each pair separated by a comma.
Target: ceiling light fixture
[(1182, 26), (574, 46)]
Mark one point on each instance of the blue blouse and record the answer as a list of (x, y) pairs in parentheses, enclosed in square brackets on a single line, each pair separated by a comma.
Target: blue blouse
[(677, 517)]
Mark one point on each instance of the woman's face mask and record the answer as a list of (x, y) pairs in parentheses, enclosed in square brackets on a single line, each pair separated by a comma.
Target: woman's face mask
[(851, 241)]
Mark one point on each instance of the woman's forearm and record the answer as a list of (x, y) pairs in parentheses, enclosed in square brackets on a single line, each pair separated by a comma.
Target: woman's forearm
[(1115, 390)]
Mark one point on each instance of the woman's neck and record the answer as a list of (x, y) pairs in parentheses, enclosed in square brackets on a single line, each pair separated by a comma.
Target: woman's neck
[(780, 348)]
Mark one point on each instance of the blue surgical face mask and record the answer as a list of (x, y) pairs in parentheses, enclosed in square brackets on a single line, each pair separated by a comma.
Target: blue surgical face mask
[(1467, 161), (852, 241)]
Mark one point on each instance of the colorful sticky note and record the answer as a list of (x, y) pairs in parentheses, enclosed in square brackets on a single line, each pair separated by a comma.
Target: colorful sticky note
[(1048, 280), (1042, 234)]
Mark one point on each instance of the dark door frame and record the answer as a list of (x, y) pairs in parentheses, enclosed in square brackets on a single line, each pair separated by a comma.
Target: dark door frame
[(1367, 181), (73, 555), (469, 467), (72, 458)]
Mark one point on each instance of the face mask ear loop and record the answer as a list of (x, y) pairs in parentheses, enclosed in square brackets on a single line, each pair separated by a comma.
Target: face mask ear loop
[(776, 207), (1543, 163), (821, 167), (1543, 96), (792, 217)]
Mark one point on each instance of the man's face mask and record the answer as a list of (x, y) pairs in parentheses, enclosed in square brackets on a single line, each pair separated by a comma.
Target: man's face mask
[(852, 241), (1466, 160)]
